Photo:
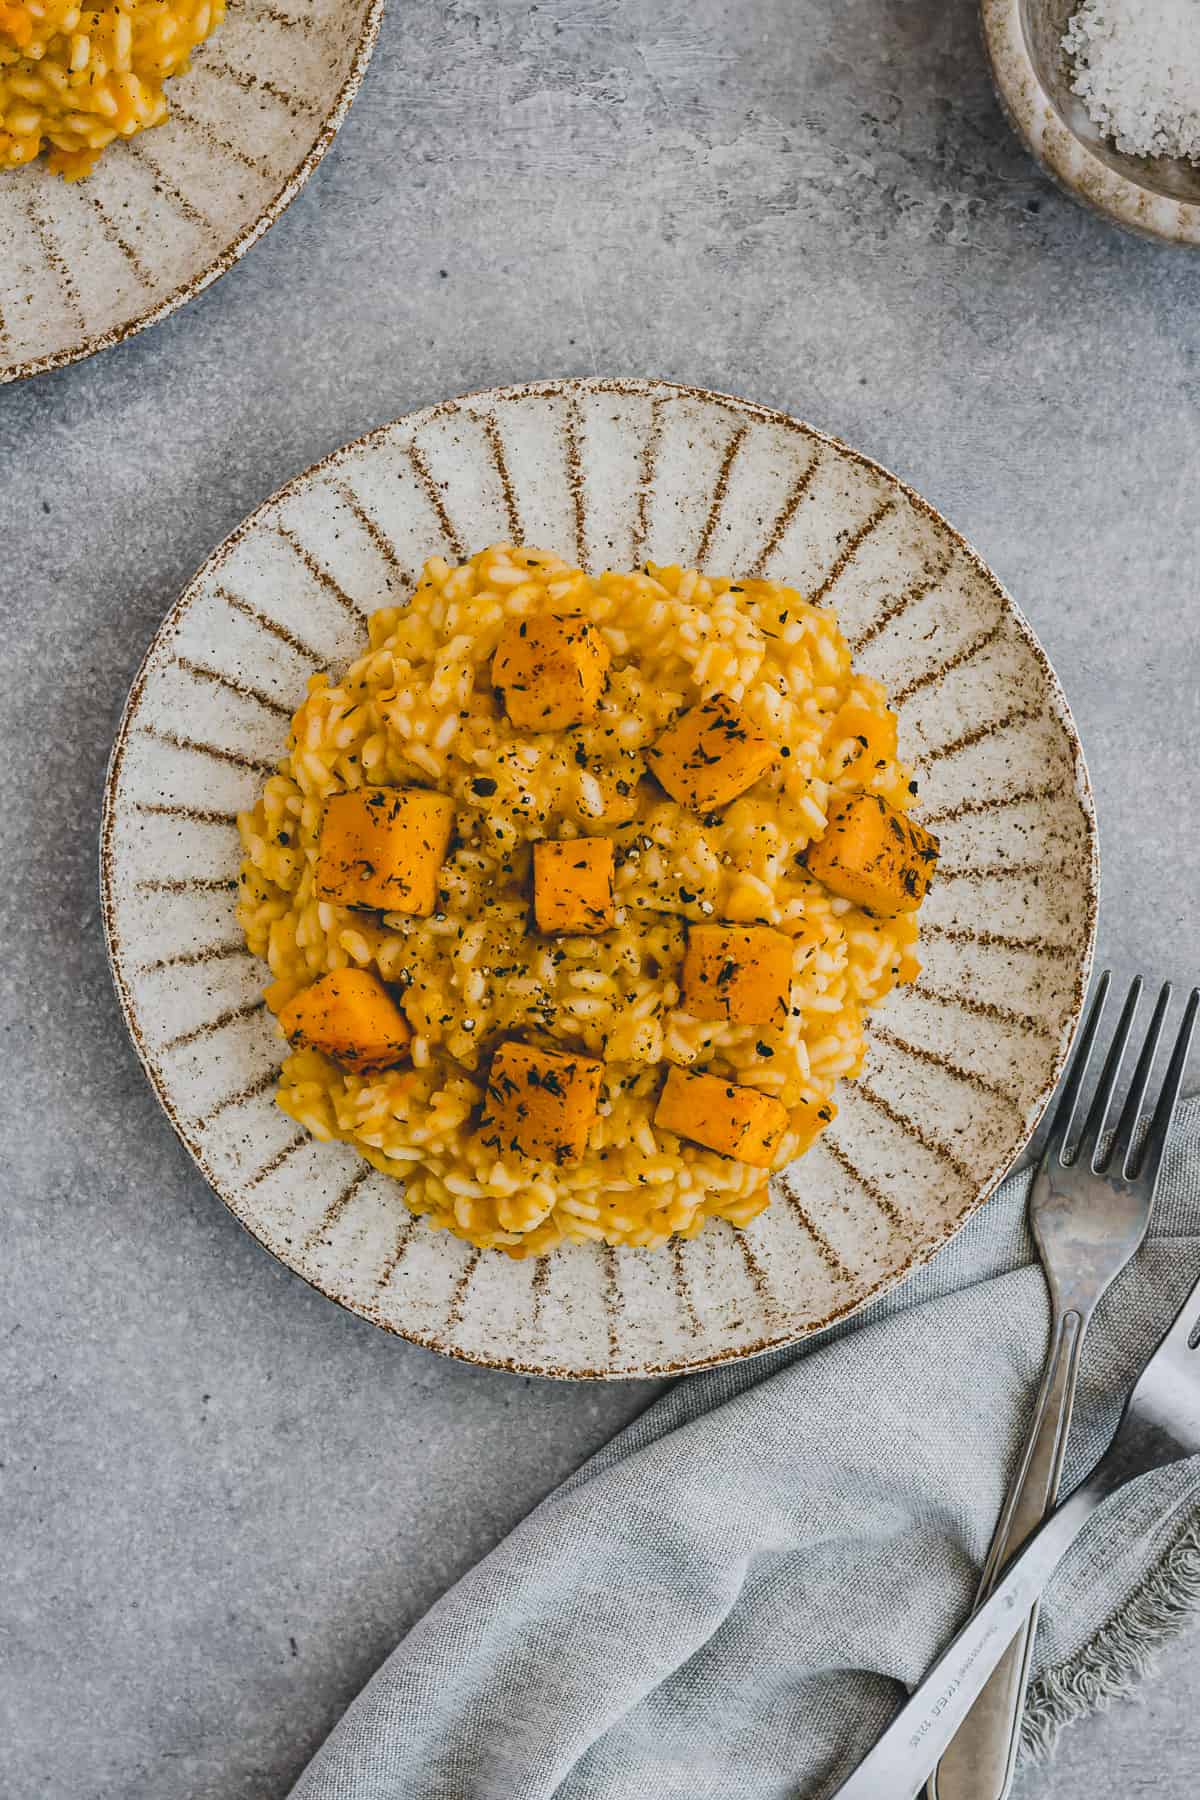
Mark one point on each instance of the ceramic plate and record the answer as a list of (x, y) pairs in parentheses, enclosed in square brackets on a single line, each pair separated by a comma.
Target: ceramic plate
[(614, 472), (86, 263)]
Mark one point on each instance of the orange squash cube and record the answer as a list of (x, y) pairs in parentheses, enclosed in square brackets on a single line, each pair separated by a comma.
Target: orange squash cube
[(573, 884), (350, 1016), (550, 671), (732, 1120), (540, 1103), (711, 754), (382, 847), (742, 973), (874, 856)]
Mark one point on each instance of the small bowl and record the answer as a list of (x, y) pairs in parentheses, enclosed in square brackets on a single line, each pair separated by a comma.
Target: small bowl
[(1156, 196)]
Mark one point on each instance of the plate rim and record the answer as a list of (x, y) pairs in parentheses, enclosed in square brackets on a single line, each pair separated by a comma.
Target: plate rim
[(648, 387), (331, 123)]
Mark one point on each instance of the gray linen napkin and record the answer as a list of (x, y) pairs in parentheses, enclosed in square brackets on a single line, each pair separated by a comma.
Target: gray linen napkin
[(729, 1598)]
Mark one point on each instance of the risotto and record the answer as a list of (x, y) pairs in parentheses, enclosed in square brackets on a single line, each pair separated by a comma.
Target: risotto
[(74, 78), (574, 891)]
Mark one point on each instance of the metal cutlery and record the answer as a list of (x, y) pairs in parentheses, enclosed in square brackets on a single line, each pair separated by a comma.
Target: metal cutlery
[(1099, 1199), (1088, 1218)]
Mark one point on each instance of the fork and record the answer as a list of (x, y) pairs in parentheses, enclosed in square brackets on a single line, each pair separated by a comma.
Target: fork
[(1160, 1424), (1088, 1219)]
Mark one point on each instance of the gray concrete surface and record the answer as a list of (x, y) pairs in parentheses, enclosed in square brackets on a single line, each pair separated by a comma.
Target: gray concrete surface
[(221, 1499)]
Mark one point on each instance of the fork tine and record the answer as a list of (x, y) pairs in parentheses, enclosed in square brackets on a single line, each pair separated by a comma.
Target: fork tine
[(1092, 1135), (1150, 1160), (1059, 1134), (1121, 1148)]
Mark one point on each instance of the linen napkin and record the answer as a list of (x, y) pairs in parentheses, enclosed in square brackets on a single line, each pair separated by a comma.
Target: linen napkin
[(731, 1597)]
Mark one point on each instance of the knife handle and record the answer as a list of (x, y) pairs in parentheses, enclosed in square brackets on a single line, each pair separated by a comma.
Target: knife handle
[(980, 1761)]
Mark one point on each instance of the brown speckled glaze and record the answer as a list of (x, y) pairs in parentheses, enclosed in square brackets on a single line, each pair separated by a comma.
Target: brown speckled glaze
[(611, 472), (87, 263), (1156, 197)]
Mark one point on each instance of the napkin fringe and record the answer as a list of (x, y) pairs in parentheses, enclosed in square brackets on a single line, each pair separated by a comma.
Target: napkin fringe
[(1124, 1650)]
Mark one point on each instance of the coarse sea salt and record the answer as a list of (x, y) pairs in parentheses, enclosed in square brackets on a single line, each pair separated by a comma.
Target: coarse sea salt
[(1137, 69)]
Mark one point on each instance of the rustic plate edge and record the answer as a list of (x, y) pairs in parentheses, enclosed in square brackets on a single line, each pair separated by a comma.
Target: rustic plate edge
[(648, 387)]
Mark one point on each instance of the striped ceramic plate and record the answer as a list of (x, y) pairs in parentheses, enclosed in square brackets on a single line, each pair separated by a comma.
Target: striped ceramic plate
[(613, 472), (84, 264)]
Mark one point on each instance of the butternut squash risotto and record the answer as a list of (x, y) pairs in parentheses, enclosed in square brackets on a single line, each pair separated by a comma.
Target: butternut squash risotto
[(74, 78), (575, 890)]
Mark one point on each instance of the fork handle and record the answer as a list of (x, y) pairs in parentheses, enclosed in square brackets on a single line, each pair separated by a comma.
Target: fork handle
[(981, 1760)]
